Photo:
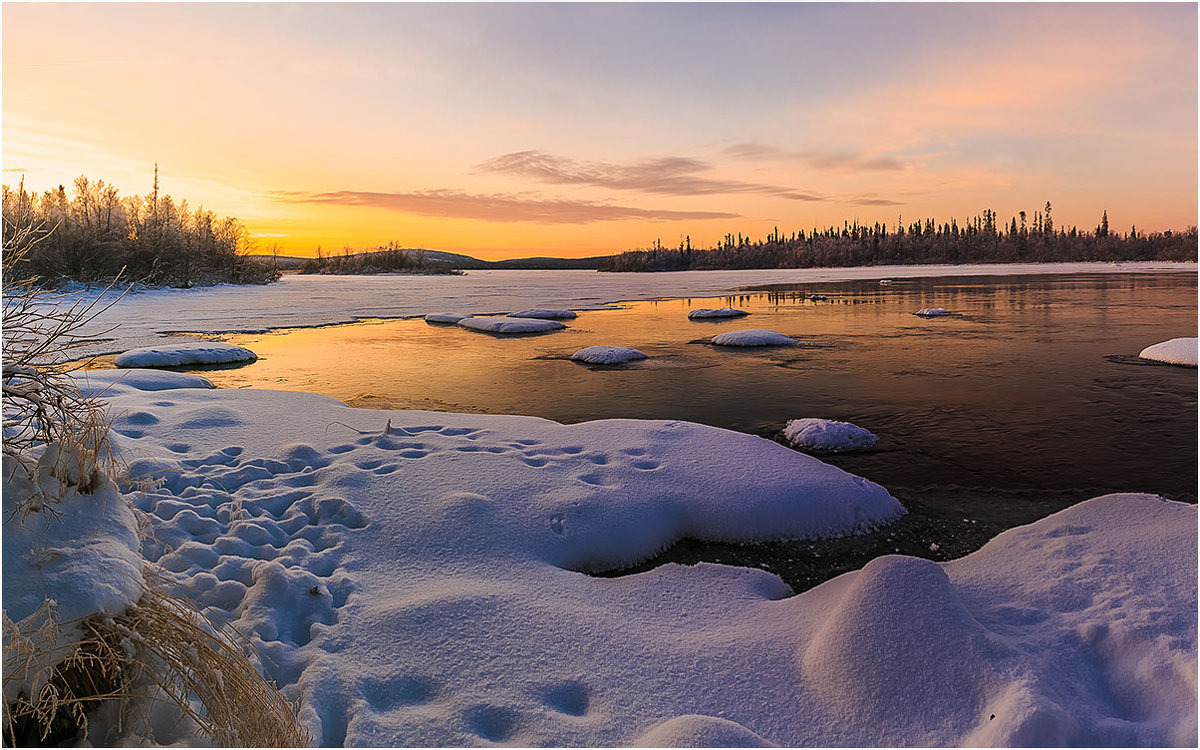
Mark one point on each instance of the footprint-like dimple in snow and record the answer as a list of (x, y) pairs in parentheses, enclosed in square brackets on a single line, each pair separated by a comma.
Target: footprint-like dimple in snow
[(373, 463), (592, 479), (647, 465), (456, 431), (396, 691), (341, 448), (495, 723), (232, 450), (132, 434), (389, 468), (597, 458), (141, 417), (412, 454), (634, 451), (528, 442), (571, 450), (163, 403), (567, 697), (178, 447), (556, 524), (535, 461)]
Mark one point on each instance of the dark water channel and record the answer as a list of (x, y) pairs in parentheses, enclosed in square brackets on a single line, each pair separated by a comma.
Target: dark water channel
[(1027, 399)]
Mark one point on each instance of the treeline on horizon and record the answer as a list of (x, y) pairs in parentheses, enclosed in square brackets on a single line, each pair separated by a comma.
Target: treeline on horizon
[(390, 258), (93, 234), (980, 240)]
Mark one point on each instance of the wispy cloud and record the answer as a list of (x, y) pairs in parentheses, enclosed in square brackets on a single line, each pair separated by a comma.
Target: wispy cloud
[(671, 175), (499, 207), (851, 161), (875, 202)]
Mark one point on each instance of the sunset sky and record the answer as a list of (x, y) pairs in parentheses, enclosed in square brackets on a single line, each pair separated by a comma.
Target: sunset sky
[(573, 129)]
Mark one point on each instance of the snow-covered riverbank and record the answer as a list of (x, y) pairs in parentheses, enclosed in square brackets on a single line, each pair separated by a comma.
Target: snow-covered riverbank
[(299, 300), (411, 576)]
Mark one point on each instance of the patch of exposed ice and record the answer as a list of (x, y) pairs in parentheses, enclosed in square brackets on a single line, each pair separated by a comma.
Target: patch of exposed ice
[(932, 312), (607, 355), (445, 317), (753, 337), (507, 325), (719, 312), (1174, 352), (544, 314), (185, 353), (827, 435)]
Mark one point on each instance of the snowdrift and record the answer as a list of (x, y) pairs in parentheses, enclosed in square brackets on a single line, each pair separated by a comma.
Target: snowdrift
[(412, 579), (1173, 352), (827, 435), (186, 353), (607, 355)]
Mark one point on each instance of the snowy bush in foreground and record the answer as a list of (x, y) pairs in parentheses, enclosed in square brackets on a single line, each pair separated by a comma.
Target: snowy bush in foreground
[(185, 353), (607, 355), (827, 435), (752, 337), (1174, 352)]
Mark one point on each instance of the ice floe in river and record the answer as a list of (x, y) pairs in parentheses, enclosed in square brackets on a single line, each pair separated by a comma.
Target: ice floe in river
[(752, 337), (185, 353), (607, 355), (720, 312), (1174, 352), (932, 312), (445, 317), (504, 324), (538, 312), (410, 578), (828, 435)]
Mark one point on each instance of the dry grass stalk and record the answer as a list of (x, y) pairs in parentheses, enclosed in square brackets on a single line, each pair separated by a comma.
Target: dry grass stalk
[(162, 649)]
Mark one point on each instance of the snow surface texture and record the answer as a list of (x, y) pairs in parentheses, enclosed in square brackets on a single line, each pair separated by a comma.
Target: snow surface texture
[(932, 312), (827, 435), (445, 317), (607, 355), (544, 314), (1173, 352), (313, 299), (186, 353), (752, 337), (506, 325), (720, 312), (415, 587)]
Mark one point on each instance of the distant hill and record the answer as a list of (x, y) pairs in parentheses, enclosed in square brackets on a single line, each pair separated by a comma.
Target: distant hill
[(468, 263)]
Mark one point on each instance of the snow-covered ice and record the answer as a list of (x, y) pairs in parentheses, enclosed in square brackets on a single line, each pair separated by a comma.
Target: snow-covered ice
[(185, 353), (607, 355), (410, 579), (827, 435), (1174, 352), (718, 312), (445, 317), (504, 324), (752, 337), (932, 312), (300, 300), (544, 314)]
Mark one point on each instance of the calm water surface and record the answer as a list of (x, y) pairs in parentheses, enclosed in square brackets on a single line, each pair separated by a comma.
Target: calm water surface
[(1032, 387)]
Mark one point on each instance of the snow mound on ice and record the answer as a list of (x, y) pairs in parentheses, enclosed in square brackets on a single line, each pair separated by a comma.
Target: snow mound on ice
[(498, 324), (752, 337), (1173, 352), (720, 312), (827, 435), (607, 355), (186, 353), (695, 730), (445, 317), (544, 314), (932, 312)]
